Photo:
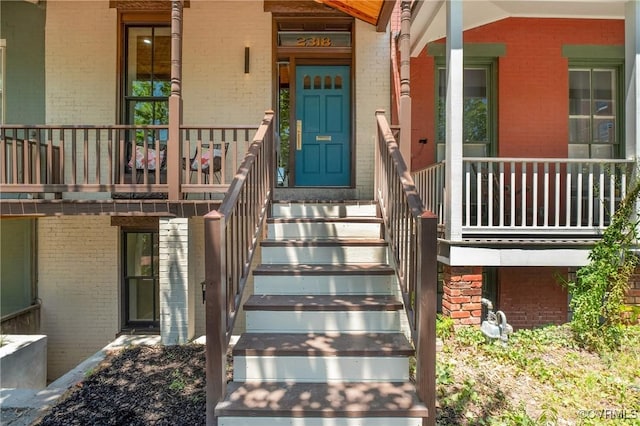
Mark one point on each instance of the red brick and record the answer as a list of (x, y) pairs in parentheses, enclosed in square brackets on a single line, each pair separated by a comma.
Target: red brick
[(472, 277), (476, 284), (460, 314), (476, 299), (451, 291), (460, 299), (469, 321), (476, 313), (472, 307)]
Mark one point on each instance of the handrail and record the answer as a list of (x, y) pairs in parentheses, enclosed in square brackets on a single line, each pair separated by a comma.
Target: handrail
[(121, 159), (527, 196), (411, 232), (231, 237), (396, 73)]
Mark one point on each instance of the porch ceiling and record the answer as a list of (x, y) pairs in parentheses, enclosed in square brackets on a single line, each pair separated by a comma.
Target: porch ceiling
[(429, 16), (375, 12)]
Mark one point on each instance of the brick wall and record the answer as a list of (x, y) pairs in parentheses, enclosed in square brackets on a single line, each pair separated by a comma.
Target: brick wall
[(372, 91), (532, 297), (215, 87), (81, 80), (633, 294), (462, 291), (78, 284), (532, 86), (177, 291)]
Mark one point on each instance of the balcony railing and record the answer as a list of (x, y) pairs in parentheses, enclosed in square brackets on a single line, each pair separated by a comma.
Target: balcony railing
[(531, 195), (119, 159)]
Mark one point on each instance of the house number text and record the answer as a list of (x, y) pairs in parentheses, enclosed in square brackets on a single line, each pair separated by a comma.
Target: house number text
[(313, 42)]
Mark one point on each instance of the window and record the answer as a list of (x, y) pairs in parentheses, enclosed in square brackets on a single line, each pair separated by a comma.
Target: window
[(593, 112), (147, 75), (140, 280), (478, 109)]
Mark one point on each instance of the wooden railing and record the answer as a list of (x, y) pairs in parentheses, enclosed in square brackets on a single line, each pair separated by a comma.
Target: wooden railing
[(532, 195), (231, 236), (430, 184), (116, 159), (411, 232), (24, 321)]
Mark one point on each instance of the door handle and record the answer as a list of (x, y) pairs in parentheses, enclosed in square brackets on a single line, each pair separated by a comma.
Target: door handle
[(299, 135)]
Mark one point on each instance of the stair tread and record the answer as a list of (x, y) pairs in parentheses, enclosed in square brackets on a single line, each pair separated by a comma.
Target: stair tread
[(323, 303), (319, 269), (369, 399), (325, 242), (323, 344), (353, 219)]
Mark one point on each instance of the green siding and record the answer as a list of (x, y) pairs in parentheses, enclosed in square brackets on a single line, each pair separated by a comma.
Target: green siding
[(585, 51), (16, 248), (22, 25)]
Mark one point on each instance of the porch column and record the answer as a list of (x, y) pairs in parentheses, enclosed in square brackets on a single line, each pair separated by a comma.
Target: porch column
[(405, 98), (177, 300), (454, 118), (175, 103), (632, 83), (462, 287)]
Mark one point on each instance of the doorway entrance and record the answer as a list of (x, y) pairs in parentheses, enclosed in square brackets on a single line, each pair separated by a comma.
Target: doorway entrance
[(323, 125), (314, 99)]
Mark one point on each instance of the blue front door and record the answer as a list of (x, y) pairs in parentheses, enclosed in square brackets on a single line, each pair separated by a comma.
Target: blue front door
[(323, 126)]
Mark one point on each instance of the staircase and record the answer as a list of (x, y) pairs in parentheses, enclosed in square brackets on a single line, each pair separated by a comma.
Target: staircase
[(326, 340)]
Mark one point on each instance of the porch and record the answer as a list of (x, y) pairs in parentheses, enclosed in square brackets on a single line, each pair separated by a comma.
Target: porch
[(524, 211), (102, 163)]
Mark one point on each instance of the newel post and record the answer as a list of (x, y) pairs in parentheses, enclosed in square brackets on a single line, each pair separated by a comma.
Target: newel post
[(174, 147), (215, 312), (426, 322)]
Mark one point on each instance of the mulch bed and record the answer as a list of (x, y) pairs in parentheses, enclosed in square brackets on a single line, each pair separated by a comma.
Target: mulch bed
[(142, 385)]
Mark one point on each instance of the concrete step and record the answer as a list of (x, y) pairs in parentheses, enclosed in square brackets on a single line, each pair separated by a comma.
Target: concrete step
[(332, 357), (370, 279), (303, 228), (321, 404), (324, 209), (321, 314), (325, 251)]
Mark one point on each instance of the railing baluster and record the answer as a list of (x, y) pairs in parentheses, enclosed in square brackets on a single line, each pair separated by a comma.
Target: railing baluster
[(512, 189), (490, 194), (38, 161), (590, 200), (523, 213), (545, 220), (568, 195), (556, 190)]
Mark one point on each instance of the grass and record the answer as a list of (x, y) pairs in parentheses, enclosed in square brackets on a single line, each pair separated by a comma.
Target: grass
[(541, 377)]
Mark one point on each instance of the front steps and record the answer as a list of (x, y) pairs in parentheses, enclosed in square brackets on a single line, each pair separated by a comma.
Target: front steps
[(326, 329)]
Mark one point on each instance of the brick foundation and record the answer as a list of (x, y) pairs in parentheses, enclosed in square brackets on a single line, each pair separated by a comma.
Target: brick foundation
[(462, 287), (633, 294), (532, 297)]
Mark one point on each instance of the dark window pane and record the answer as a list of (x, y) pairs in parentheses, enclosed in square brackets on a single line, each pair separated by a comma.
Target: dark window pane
[(579, 92)]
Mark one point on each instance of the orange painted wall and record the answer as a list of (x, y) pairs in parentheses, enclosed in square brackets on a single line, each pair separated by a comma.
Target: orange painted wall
[(532, 84)]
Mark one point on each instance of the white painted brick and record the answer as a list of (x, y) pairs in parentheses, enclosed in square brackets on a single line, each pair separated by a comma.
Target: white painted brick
[(176, 303), (78, 284)]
